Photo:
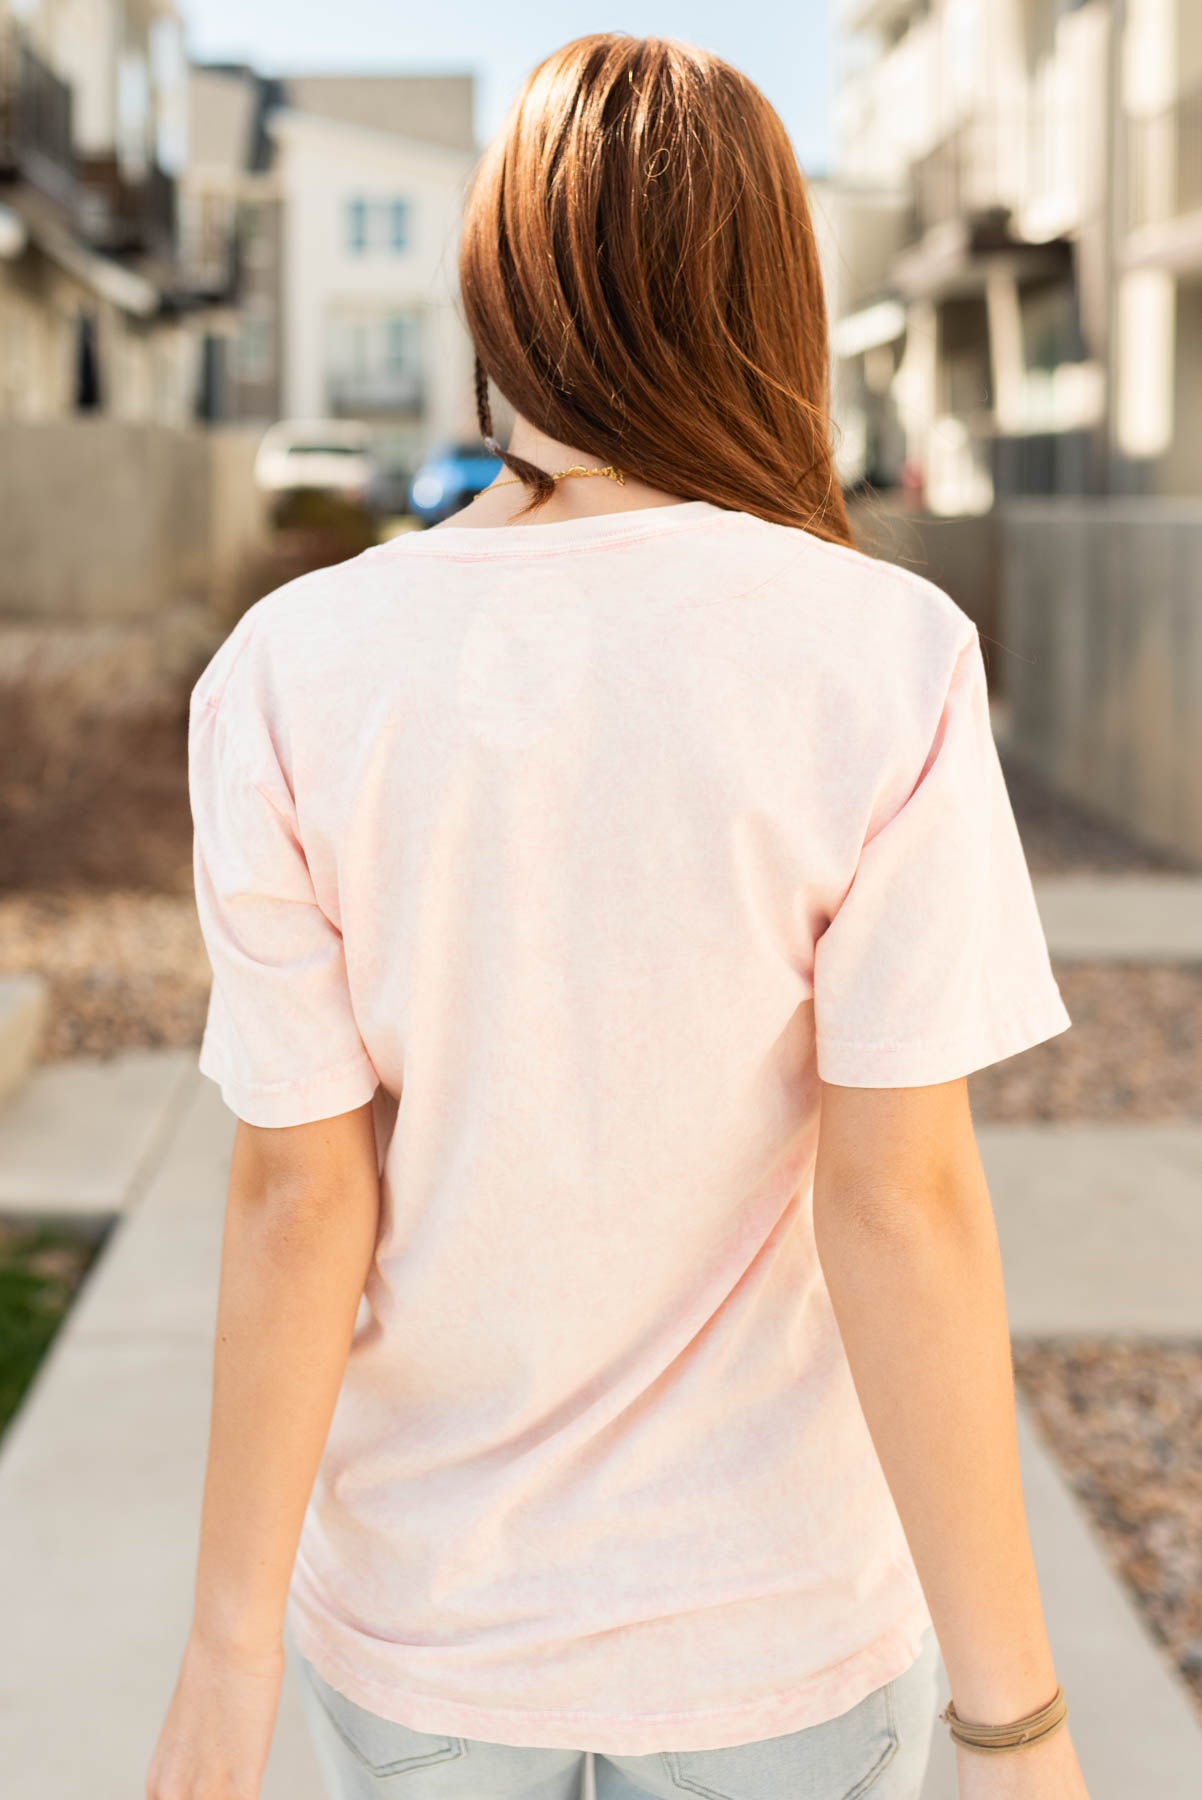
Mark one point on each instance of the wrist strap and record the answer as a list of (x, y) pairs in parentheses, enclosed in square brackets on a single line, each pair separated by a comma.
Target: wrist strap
[(992, 1739)]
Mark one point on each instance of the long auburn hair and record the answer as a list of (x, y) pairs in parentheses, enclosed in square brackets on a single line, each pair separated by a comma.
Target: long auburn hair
[(640, 280)]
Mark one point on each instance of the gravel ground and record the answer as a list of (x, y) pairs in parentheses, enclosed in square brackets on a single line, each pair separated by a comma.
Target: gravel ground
[(1125, 1422), (126, 970), (1134, 1051), (96, 854), (103, 808)]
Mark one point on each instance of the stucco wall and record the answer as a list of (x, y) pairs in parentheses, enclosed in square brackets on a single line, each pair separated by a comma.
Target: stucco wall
[(108, 520), (1101, 605)]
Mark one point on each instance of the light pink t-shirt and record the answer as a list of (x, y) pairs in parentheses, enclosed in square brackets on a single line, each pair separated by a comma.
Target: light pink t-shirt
[(595, 845)]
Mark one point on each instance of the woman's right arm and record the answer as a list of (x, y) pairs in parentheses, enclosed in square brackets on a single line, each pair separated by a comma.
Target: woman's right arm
[(909, 1249)]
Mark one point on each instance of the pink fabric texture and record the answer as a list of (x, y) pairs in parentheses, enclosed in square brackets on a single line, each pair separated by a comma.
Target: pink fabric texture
[(584, 851)]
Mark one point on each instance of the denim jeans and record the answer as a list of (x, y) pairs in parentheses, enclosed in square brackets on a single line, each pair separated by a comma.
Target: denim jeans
[(878, 1749)]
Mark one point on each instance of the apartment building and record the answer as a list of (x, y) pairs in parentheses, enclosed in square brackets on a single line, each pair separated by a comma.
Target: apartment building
[(1020, 185), (985, 342), (231, 240), (340, 198), (92, 315), (1159, 245)]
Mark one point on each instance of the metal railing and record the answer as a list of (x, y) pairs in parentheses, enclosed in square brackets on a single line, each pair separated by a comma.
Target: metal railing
[(1164, 163), (120, 213), (994, 164), (957, 177), (35, 118), (359, 395)]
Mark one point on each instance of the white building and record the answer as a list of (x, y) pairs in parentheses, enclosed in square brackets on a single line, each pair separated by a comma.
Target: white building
[(231, 225), (992, 123), (372, 328), (1159, 236), (339, 199), (1042, 299), (91, 136), (859, 227)]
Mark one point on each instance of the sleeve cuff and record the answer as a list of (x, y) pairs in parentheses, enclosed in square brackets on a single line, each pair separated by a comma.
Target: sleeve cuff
[(924, 1062), (320, 1096)]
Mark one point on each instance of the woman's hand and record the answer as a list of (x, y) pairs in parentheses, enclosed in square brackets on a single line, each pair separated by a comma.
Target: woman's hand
[(1047, 1771), (217, 1733)]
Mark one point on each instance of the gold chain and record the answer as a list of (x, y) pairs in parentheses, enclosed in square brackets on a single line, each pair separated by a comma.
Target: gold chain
[(610, 473)]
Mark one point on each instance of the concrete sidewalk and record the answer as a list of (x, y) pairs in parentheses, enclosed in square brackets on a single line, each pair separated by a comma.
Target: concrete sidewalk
[(1122, 918), (100, 1475)]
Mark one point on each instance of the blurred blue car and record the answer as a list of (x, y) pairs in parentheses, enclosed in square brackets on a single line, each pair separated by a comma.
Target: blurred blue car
[(448, 479)]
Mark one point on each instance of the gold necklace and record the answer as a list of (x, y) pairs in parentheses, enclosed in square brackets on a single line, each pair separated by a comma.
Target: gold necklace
[(610, 473)]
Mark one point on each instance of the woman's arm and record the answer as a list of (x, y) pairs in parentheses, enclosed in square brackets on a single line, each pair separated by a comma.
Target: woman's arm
[(300, 1230), (909, 1249)]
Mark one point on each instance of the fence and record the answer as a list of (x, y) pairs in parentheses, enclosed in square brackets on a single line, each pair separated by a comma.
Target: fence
[(1090, 612), (1101, 615)]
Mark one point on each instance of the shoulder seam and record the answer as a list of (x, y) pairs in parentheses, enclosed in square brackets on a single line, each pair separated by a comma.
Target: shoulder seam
[(211, 707), (909, 577), (252, 781), (213, 701), (243, 771)]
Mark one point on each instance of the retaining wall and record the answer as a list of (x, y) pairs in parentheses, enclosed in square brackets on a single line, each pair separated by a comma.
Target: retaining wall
[(108, 520)]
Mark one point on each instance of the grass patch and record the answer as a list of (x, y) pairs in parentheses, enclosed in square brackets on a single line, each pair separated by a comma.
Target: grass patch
[(41, 1268)]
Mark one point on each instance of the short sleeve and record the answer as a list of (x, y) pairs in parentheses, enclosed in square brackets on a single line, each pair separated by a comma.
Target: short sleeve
[(935, 962), (280, 1038)]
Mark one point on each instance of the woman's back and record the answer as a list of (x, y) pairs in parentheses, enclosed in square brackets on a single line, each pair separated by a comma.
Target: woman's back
[(596, 845)]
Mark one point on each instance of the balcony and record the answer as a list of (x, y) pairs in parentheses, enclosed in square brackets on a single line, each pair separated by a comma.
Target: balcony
[(1000, 174), (382, 394), (957, 179), (35, 120), (120, 213), (1164, 164)]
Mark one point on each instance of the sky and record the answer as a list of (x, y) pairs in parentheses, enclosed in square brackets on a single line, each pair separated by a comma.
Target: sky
[(783, 45)]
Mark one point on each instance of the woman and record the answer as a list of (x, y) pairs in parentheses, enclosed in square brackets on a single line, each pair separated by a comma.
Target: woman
[(608, 894)]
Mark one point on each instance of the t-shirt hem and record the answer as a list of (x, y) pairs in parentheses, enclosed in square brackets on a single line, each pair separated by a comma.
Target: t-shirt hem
[(846, 1062), (301, 1102), (813, 1701)]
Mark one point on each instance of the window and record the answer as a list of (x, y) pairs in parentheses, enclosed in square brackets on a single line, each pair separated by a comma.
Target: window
[(373, 360), (378, 225), (256, 234), (1051, 324), (965, 369), (256, 349), (400, 354), (356, 226), (359, 350)]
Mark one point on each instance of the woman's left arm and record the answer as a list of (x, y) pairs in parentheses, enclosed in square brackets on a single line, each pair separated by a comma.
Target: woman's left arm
[(300, 1230)]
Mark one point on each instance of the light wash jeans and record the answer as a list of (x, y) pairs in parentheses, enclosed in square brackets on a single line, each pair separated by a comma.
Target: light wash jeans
[(878, 1749)]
